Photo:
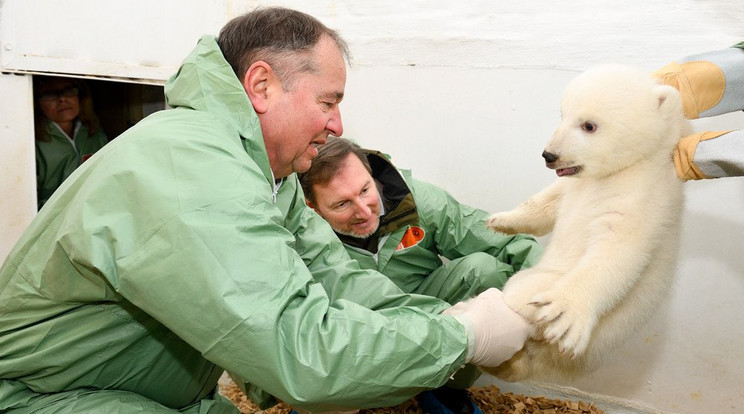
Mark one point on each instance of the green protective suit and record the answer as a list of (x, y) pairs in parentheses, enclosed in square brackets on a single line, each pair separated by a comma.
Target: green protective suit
[(171, 254), (479, 258), (57, 158)]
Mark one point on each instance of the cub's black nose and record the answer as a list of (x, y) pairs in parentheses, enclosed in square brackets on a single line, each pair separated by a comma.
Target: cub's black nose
[(549, 156)]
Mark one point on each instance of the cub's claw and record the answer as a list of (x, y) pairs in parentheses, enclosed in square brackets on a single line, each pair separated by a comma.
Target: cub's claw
[(564, 322)]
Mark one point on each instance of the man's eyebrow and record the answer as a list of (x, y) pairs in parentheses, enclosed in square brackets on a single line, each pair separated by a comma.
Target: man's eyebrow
[(336, 96), (333, 199)]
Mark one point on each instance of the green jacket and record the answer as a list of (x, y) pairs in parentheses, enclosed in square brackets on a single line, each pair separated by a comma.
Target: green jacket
[(57, 158), (451, 230), (169, 256)]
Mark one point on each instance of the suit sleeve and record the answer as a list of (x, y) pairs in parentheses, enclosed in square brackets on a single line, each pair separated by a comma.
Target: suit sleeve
[(272, 322), (461, 229)]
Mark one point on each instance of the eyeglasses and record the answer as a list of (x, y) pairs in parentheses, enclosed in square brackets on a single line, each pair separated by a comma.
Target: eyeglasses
[(54, 95)]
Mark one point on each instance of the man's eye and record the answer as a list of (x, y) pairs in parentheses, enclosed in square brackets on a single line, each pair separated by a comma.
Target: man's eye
[(328, 104)]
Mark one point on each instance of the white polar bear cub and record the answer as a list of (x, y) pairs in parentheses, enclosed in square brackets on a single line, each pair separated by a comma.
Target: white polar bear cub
[(615, 214)]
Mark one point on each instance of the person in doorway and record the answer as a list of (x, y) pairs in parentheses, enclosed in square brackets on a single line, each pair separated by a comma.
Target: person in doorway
[(184, 248), (67, 131), (710, 84), (403, 227)]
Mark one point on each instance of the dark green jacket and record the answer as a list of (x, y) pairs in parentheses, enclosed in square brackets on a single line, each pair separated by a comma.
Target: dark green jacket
[(451, 230)]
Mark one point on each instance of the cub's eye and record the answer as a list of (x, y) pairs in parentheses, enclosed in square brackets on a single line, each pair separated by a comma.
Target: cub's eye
[(589, 127)]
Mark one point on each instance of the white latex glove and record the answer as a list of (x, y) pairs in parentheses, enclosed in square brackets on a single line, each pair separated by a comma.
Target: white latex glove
[(495, 332)]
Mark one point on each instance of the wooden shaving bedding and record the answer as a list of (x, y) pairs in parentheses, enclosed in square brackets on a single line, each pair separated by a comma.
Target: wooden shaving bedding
[(489, 399)]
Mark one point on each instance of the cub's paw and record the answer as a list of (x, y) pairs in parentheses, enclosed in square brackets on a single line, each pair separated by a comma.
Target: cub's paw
[(522, 287), (564, 320), (504, 222)]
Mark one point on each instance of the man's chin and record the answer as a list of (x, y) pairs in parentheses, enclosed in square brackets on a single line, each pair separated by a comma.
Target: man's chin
[(300, 168), (355, 234)]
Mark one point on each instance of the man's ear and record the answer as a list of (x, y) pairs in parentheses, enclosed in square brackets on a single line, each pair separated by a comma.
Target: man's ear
[(257, 82), (312, 206)]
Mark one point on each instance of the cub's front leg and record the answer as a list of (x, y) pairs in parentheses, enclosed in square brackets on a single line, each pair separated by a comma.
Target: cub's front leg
[(535, 216), (618, 251)]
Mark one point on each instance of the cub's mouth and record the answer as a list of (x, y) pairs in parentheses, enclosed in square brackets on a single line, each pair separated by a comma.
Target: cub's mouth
[(562, 168), (567, 171)]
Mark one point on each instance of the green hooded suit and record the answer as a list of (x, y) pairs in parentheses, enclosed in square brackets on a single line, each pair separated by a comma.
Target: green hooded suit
[(171, 254)]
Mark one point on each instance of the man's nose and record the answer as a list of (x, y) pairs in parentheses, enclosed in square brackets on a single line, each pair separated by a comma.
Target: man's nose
[(362, 209), (335, 126)]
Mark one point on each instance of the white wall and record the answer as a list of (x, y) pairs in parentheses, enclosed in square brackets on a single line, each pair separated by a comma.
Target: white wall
[(17, 170), (466, 94)]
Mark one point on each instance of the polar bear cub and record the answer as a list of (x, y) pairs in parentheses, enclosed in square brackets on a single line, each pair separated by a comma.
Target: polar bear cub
[(614, 213)]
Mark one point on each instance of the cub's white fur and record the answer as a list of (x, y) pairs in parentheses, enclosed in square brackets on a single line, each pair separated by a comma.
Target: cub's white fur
[(614, 213)]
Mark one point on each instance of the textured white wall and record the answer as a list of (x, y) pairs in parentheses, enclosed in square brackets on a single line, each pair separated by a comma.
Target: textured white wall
[(17, 170), (466, 94)]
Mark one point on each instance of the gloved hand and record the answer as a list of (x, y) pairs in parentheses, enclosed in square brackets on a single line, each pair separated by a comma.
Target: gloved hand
[(716, 159), (709, 83), (700, 84), (495, 332)]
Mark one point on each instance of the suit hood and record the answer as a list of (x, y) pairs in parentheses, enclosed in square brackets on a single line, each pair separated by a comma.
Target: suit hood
[(206, 82)]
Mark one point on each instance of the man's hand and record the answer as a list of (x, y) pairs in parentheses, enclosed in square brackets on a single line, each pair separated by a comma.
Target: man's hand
[(701, 85), (709, 84), (718, 159), (495, 332)]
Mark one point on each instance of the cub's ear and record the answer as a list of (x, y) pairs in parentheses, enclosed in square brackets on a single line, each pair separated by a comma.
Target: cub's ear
[(667, 98)]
